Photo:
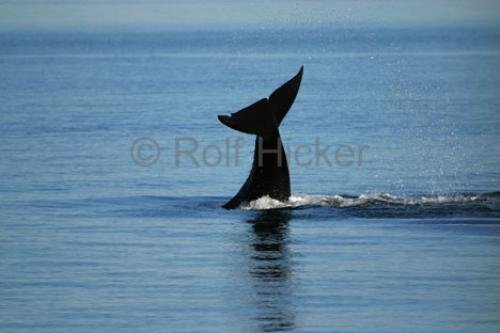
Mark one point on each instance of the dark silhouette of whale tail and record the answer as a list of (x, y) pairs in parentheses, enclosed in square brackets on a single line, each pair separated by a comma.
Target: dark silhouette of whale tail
[(266, 114), (269, 175)]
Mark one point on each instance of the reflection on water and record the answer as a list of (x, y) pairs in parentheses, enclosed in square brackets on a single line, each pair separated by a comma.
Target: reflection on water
[(271, 271)]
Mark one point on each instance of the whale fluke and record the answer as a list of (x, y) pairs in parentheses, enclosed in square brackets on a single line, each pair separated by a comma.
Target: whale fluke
[(269, 174), (281, 99)]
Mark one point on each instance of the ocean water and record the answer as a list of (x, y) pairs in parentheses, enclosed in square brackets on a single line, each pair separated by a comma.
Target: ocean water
[(114, 167)]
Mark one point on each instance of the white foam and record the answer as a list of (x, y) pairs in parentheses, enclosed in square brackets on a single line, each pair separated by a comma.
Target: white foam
[(265, 202), (339, 200)]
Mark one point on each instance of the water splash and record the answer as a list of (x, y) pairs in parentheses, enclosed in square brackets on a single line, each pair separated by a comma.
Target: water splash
[(456, 202)]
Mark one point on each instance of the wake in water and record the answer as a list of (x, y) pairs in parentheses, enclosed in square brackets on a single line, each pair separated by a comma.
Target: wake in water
[(385, 204)]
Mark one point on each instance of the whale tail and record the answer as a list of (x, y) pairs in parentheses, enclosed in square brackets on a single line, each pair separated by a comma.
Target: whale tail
[(269, 174), (265, 115)]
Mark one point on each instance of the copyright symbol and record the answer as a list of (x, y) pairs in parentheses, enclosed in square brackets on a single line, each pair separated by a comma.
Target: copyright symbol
[(145, 152)]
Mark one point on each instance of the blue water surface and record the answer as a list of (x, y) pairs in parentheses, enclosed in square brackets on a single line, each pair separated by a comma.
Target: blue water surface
[(395, 229)]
